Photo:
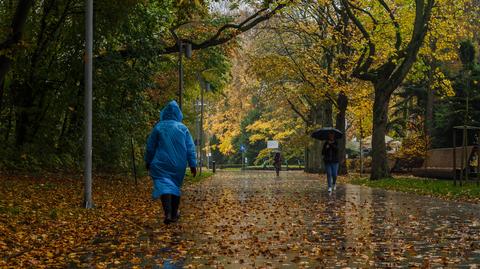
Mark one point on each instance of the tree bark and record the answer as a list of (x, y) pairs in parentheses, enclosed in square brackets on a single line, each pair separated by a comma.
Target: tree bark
[(327, 120), (380, 167), (342, 103), (313, 155)]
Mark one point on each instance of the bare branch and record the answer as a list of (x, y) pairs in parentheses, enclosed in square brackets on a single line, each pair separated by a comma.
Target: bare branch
[(294, 108), (423, 12), (302, 74), (362, 67), (218, 38), (398, 35), (375, 22)]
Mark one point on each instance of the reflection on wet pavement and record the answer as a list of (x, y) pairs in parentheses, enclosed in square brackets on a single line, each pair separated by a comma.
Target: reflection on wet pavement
[(252, 219)]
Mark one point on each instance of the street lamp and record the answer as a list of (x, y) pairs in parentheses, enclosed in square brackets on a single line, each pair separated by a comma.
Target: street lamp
[(198, 105), (88, 203), (183, 48), (205, 88)]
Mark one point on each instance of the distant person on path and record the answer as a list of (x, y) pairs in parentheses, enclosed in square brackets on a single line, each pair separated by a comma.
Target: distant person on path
[(473, 162), (169, 148), (277, 163), (330, 157)]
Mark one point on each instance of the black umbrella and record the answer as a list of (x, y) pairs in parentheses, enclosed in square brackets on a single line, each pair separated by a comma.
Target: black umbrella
[(322, 134)]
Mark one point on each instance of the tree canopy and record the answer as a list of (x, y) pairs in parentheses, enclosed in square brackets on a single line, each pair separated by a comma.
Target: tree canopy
[(278, 70)]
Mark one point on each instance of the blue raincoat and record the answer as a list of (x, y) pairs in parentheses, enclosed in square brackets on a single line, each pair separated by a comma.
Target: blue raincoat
[(169, 148)]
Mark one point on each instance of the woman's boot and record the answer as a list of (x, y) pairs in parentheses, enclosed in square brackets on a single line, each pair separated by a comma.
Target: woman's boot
[(175, 206), (167, 208)]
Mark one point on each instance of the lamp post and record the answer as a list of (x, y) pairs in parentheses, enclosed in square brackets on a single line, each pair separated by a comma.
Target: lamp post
[(88, 203), (197, 105), (206, 88), (183, 48), (361, 147)]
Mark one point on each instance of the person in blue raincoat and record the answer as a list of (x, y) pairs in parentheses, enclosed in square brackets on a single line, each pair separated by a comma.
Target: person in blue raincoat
[(170, 148)]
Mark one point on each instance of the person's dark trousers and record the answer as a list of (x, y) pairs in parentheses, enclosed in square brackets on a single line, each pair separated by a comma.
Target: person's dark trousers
[(170, 205)]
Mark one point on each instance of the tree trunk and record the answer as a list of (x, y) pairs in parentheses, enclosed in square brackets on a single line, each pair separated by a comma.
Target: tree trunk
[(327, 119), (23, 100), (17, 29), (429, 112), (2, 89), (313, 157), (5, 64), (430, 102), (342, 102), (313, 150), (380, 117), (320, 116), (9, 125), (388, 76)]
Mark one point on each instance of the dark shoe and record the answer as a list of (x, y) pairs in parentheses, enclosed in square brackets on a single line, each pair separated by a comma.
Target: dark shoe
[(176, 218), (168, 221)]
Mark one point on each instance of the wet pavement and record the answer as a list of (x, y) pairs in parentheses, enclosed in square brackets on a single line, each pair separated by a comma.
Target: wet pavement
[(253, 219)]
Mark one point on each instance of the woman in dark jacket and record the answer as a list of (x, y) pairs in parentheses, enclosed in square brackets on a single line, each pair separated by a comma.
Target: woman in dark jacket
[(277, 163), (330, 157)]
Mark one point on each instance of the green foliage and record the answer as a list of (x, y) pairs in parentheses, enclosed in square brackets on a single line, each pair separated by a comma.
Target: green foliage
[(41, 106), (467, 53), (453, 111), (205, 175), (252, 149)]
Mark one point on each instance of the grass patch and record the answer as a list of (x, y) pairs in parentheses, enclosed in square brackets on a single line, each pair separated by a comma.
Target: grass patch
[(198, 178), (13, 210), (434, 187), (231, 169)]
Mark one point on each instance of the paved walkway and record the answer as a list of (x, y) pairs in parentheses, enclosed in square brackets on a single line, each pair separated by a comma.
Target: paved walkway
[(252, 219)]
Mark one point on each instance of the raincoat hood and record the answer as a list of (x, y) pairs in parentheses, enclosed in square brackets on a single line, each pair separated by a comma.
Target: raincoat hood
[(171, 112)]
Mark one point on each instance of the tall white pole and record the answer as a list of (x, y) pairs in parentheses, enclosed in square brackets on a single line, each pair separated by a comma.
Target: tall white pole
[(361, 148), (201, 127), (197, 129), (88, 203), (180, 73)]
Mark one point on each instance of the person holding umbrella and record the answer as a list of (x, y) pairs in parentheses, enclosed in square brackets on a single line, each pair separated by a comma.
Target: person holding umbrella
[(330, 153)]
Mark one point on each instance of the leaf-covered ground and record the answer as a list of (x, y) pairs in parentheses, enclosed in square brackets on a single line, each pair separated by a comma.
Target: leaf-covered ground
[(234, 220), (42, 224)]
